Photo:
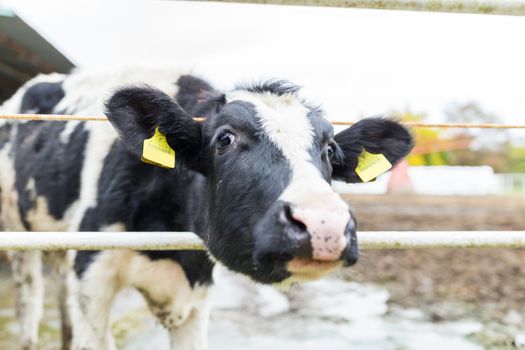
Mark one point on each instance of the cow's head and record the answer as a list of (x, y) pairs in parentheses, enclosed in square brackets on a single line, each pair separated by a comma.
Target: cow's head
[(268, 158)]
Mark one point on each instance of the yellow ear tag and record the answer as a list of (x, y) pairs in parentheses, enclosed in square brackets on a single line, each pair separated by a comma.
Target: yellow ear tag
[(370, 166), (156, 151)]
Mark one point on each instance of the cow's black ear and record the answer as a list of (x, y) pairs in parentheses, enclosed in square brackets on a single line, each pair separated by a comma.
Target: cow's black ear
[(135, 112), (375, 135)]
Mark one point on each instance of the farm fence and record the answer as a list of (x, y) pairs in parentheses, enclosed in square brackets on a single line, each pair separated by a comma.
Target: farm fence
[(190, 241)]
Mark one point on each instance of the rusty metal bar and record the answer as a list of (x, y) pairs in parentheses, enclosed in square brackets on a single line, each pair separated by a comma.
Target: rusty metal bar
[(101, 118), (487, 7)]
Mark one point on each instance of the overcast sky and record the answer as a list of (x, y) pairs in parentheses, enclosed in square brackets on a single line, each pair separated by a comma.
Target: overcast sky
[(356, 62)]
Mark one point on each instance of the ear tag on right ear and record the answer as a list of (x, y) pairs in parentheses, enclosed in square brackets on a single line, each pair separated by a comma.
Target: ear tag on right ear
[(156, 151), (370, 166)]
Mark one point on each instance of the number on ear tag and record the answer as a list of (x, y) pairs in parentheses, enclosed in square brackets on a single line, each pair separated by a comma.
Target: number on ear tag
[(370, 166), (156, 151)]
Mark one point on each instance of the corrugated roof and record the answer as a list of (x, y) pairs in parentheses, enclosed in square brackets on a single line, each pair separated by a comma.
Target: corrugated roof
[(24, 53)]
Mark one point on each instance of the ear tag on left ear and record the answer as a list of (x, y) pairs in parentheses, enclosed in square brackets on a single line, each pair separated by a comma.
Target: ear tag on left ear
[(370, 166), (156, 151)]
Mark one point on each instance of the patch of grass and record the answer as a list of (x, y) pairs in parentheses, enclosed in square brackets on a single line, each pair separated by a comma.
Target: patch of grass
[(131, 323), (7, 339), (493, 341)]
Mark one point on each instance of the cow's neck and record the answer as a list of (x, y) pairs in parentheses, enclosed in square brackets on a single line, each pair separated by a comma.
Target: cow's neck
[(143, 197)]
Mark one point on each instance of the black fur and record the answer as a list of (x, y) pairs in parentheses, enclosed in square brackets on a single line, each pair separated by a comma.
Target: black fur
[(198, 97), (274, 86), (41, 156), (54, 166), (5, 133), (82, 261), (42, 98), (375, 135), (278, 87), (147, 198), (135, 113)]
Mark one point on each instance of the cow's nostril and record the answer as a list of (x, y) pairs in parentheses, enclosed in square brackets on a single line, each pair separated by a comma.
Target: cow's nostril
[(297, 232), (289, 219)]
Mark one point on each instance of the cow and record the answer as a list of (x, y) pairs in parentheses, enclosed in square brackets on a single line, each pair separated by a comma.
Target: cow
[(252, 178)]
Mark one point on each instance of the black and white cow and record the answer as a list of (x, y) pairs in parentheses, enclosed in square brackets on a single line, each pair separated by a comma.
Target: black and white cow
[(252, 180)]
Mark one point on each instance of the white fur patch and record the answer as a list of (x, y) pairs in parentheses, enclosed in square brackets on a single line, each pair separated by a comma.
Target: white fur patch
[(86, 89), (90, 302), (182, 309), (10, 214), (165, 286), (179, 307), (68, 130), (116, 227), (193, 334), (100, 138), (27, 274), (284, 119), (38, 216)]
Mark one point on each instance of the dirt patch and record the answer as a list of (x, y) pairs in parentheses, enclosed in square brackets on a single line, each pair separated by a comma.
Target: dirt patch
[(466, 275), (485, 284), (420, 213)]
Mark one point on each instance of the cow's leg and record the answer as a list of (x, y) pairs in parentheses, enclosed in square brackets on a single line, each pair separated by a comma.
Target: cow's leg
[(181, 308), (92, 293), (193, 333), (29, 284), (61, 264)]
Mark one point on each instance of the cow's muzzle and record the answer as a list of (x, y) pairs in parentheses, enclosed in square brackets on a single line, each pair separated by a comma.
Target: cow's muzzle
[(313, 236)]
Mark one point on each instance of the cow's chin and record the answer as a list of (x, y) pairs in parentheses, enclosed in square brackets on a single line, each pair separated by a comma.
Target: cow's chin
[(304, 270)]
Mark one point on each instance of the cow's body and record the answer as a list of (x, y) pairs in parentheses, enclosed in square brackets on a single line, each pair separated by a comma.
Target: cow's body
[(72, 176)]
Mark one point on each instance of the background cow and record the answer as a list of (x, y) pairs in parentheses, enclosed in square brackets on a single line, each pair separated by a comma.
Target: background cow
[(252, 180)]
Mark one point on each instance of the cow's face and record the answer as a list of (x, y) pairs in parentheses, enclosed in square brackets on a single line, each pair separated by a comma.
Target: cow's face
[(268, 158)]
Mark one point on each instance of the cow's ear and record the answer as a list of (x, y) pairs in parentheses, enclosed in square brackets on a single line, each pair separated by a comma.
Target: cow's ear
[(374, 135), (135, 112)]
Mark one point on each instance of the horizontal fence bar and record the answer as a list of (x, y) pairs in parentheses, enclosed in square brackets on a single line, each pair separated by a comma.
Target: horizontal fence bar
[(486, 7), (101, 118), (100, 241), (441, 239), (189, 241)]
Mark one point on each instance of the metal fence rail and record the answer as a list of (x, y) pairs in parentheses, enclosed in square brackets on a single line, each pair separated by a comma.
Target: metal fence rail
[(487, 7), (189, 241)]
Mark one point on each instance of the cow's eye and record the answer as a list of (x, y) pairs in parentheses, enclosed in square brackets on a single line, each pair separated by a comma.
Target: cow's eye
[(330, 151), (225, 139)]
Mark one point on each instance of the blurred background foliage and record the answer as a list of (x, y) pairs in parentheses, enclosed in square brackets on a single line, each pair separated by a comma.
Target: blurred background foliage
[(465, 147)]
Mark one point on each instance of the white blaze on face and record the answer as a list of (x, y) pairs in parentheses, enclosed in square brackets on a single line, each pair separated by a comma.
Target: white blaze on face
[(285, 121)]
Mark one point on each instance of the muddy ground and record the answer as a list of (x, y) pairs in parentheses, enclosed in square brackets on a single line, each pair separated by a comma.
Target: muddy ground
[(467, 275), (485, 284)]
